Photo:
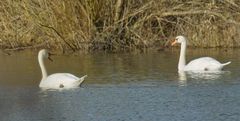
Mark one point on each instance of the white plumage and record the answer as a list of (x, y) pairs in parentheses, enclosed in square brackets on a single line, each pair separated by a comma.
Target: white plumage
[(200, 64), (57, 80), (205, 64)]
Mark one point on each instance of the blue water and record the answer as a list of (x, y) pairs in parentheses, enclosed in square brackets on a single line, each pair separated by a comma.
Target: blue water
[(121, 87), (161, 103)]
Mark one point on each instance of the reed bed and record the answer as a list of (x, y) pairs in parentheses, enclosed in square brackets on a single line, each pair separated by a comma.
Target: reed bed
[(116, 25)]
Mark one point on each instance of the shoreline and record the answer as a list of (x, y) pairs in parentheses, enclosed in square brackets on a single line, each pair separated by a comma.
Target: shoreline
[(175, 49)]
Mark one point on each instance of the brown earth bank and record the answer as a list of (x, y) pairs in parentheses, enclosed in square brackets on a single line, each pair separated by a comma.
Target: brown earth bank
[(117, 25)]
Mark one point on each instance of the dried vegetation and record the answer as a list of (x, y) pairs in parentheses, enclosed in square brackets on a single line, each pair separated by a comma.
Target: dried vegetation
[(117, 24)]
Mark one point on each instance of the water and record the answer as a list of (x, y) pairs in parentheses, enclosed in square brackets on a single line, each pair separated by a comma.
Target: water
[(121, 87)]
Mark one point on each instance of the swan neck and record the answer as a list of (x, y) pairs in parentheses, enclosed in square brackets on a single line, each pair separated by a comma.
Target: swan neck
[(42, 66), (182, 59)]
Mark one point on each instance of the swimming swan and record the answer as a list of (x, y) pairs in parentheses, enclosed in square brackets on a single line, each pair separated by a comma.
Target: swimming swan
[(57, 80), (200, 64)]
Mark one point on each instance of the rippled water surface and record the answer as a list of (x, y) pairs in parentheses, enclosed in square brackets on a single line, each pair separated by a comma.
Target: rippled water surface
[(121, 87)]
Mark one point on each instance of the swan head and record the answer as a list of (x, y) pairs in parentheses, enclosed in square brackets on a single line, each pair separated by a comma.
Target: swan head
[(45, 54), (179, 39)]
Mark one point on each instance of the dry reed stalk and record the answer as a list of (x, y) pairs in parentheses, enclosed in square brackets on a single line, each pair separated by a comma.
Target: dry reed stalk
[(117, 25)]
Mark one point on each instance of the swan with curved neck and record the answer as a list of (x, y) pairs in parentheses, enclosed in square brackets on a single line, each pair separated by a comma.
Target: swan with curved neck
[(57, 80), (200, 64)]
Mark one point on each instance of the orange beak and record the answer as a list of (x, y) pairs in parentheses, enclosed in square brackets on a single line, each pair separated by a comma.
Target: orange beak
[(174, 42)]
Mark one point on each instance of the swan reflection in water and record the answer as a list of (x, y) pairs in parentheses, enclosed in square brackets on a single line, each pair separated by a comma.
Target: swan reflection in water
[(183, 76)]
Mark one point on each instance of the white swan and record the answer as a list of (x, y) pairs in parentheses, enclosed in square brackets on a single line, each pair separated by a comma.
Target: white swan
[(57, 80), (200, 64)]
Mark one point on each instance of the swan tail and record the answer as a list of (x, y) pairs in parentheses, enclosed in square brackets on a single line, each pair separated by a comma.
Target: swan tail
[(224, 64), (81, 79)]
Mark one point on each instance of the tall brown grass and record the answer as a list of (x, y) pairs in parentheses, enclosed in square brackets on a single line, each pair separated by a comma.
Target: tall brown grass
[(117, 24)]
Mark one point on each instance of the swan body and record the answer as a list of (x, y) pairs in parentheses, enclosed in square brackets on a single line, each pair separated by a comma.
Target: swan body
[(61, 80), (57, 80), (204, 64), (200, 64)]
